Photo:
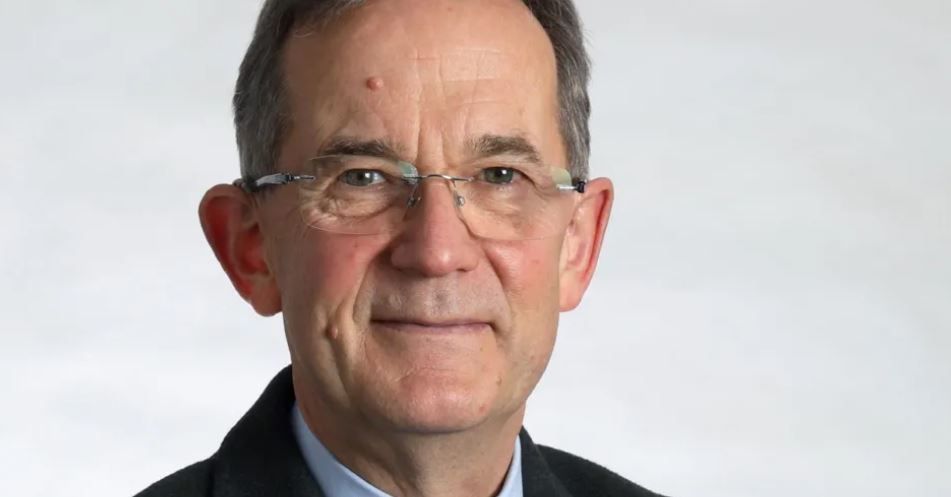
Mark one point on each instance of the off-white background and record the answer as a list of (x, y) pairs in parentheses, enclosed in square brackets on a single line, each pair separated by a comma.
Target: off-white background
[(772, 315)]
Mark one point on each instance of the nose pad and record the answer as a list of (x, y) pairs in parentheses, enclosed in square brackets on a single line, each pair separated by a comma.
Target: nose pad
[(416, 196)]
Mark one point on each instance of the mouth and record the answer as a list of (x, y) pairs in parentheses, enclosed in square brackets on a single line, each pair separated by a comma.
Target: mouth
[(461, 326)]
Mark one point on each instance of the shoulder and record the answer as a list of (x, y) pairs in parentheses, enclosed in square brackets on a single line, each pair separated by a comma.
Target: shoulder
[(190, 481), (582, 477)]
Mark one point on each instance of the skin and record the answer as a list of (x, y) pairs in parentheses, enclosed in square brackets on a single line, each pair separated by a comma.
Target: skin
[(414, 352)]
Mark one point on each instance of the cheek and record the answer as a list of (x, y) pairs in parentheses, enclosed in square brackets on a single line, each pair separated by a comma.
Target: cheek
[(321, 278), (528, 272)]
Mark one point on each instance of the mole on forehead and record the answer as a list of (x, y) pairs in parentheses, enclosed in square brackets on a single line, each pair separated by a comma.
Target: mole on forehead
[(374, 83)]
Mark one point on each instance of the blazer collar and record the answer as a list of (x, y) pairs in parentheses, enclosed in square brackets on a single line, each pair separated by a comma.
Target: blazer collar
[(259, 456)]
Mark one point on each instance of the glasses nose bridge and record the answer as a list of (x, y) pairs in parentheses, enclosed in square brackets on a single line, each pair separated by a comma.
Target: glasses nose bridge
[(416, 195), (435, 206)]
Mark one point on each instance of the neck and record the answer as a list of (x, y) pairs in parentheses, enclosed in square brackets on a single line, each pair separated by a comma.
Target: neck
[(472, 462)]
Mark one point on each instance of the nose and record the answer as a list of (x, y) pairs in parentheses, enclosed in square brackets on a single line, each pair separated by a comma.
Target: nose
[(434, 241)]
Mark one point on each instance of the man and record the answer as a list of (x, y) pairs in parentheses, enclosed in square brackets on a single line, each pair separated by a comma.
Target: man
[(414, 201)]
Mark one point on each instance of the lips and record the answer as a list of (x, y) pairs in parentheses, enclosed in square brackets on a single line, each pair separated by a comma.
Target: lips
[(439, 327)]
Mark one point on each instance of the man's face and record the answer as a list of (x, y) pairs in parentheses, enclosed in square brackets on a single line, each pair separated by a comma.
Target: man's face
[(429, 328)]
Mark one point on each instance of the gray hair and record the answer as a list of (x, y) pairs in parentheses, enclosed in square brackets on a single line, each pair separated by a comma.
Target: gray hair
[(261, 113)]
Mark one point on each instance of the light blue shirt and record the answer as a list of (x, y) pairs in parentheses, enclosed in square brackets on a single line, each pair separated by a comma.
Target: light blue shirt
[(336, 480)]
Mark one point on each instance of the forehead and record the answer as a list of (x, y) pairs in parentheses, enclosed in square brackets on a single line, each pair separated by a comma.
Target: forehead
[(460, 31), (452, 67)]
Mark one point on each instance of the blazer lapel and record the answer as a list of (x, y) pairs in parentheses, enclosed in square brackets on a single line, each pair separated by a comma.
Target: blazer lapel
[(537, 478), (259, 457)]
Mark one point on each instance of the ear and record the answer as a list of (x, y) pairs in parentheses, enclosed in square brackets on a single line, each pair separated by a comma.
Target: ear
[(229, 218), (582, 244)]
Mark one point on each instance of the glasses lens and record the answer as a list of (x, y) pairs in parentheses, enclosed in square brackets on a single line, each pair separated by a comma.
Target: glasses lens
[(515, 202), (369, 195), (354, 194)]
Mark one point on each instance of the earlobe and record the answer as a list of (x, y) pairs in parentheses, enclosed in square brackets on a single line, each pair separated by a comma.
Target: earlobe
[(232, 228), (582, 243)]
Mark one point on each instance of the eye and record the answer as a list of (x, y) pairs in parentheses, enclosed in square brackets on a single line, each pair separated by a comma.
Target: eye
[(499, 175), (361, 177)]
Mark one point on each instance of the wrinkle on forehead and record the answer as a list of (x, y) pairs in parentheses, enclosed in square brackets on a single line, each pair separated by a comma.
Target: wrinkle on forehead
[(464, 64), (476, 52), (441, 41), (444, 82), (448, 34), (454, 77)]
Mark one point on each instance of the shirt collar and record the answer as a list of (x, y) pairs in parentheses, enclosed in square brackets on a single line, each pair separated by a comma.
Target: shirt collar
[(336, 480)]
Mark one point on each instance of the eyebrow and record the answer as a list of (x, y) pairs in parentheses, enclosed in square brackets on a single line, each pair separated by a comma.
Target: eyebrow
[(351, 146), (485, 146), (490, 145)]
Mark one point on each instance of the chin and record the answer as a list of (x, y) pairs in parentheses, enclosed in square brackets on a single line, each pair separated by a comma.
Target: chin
[(432, 402)]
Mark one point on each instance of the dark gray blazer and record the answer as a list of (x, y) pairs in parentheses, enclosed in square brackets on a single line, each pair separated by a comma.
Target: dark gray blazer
[(259, 457)]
